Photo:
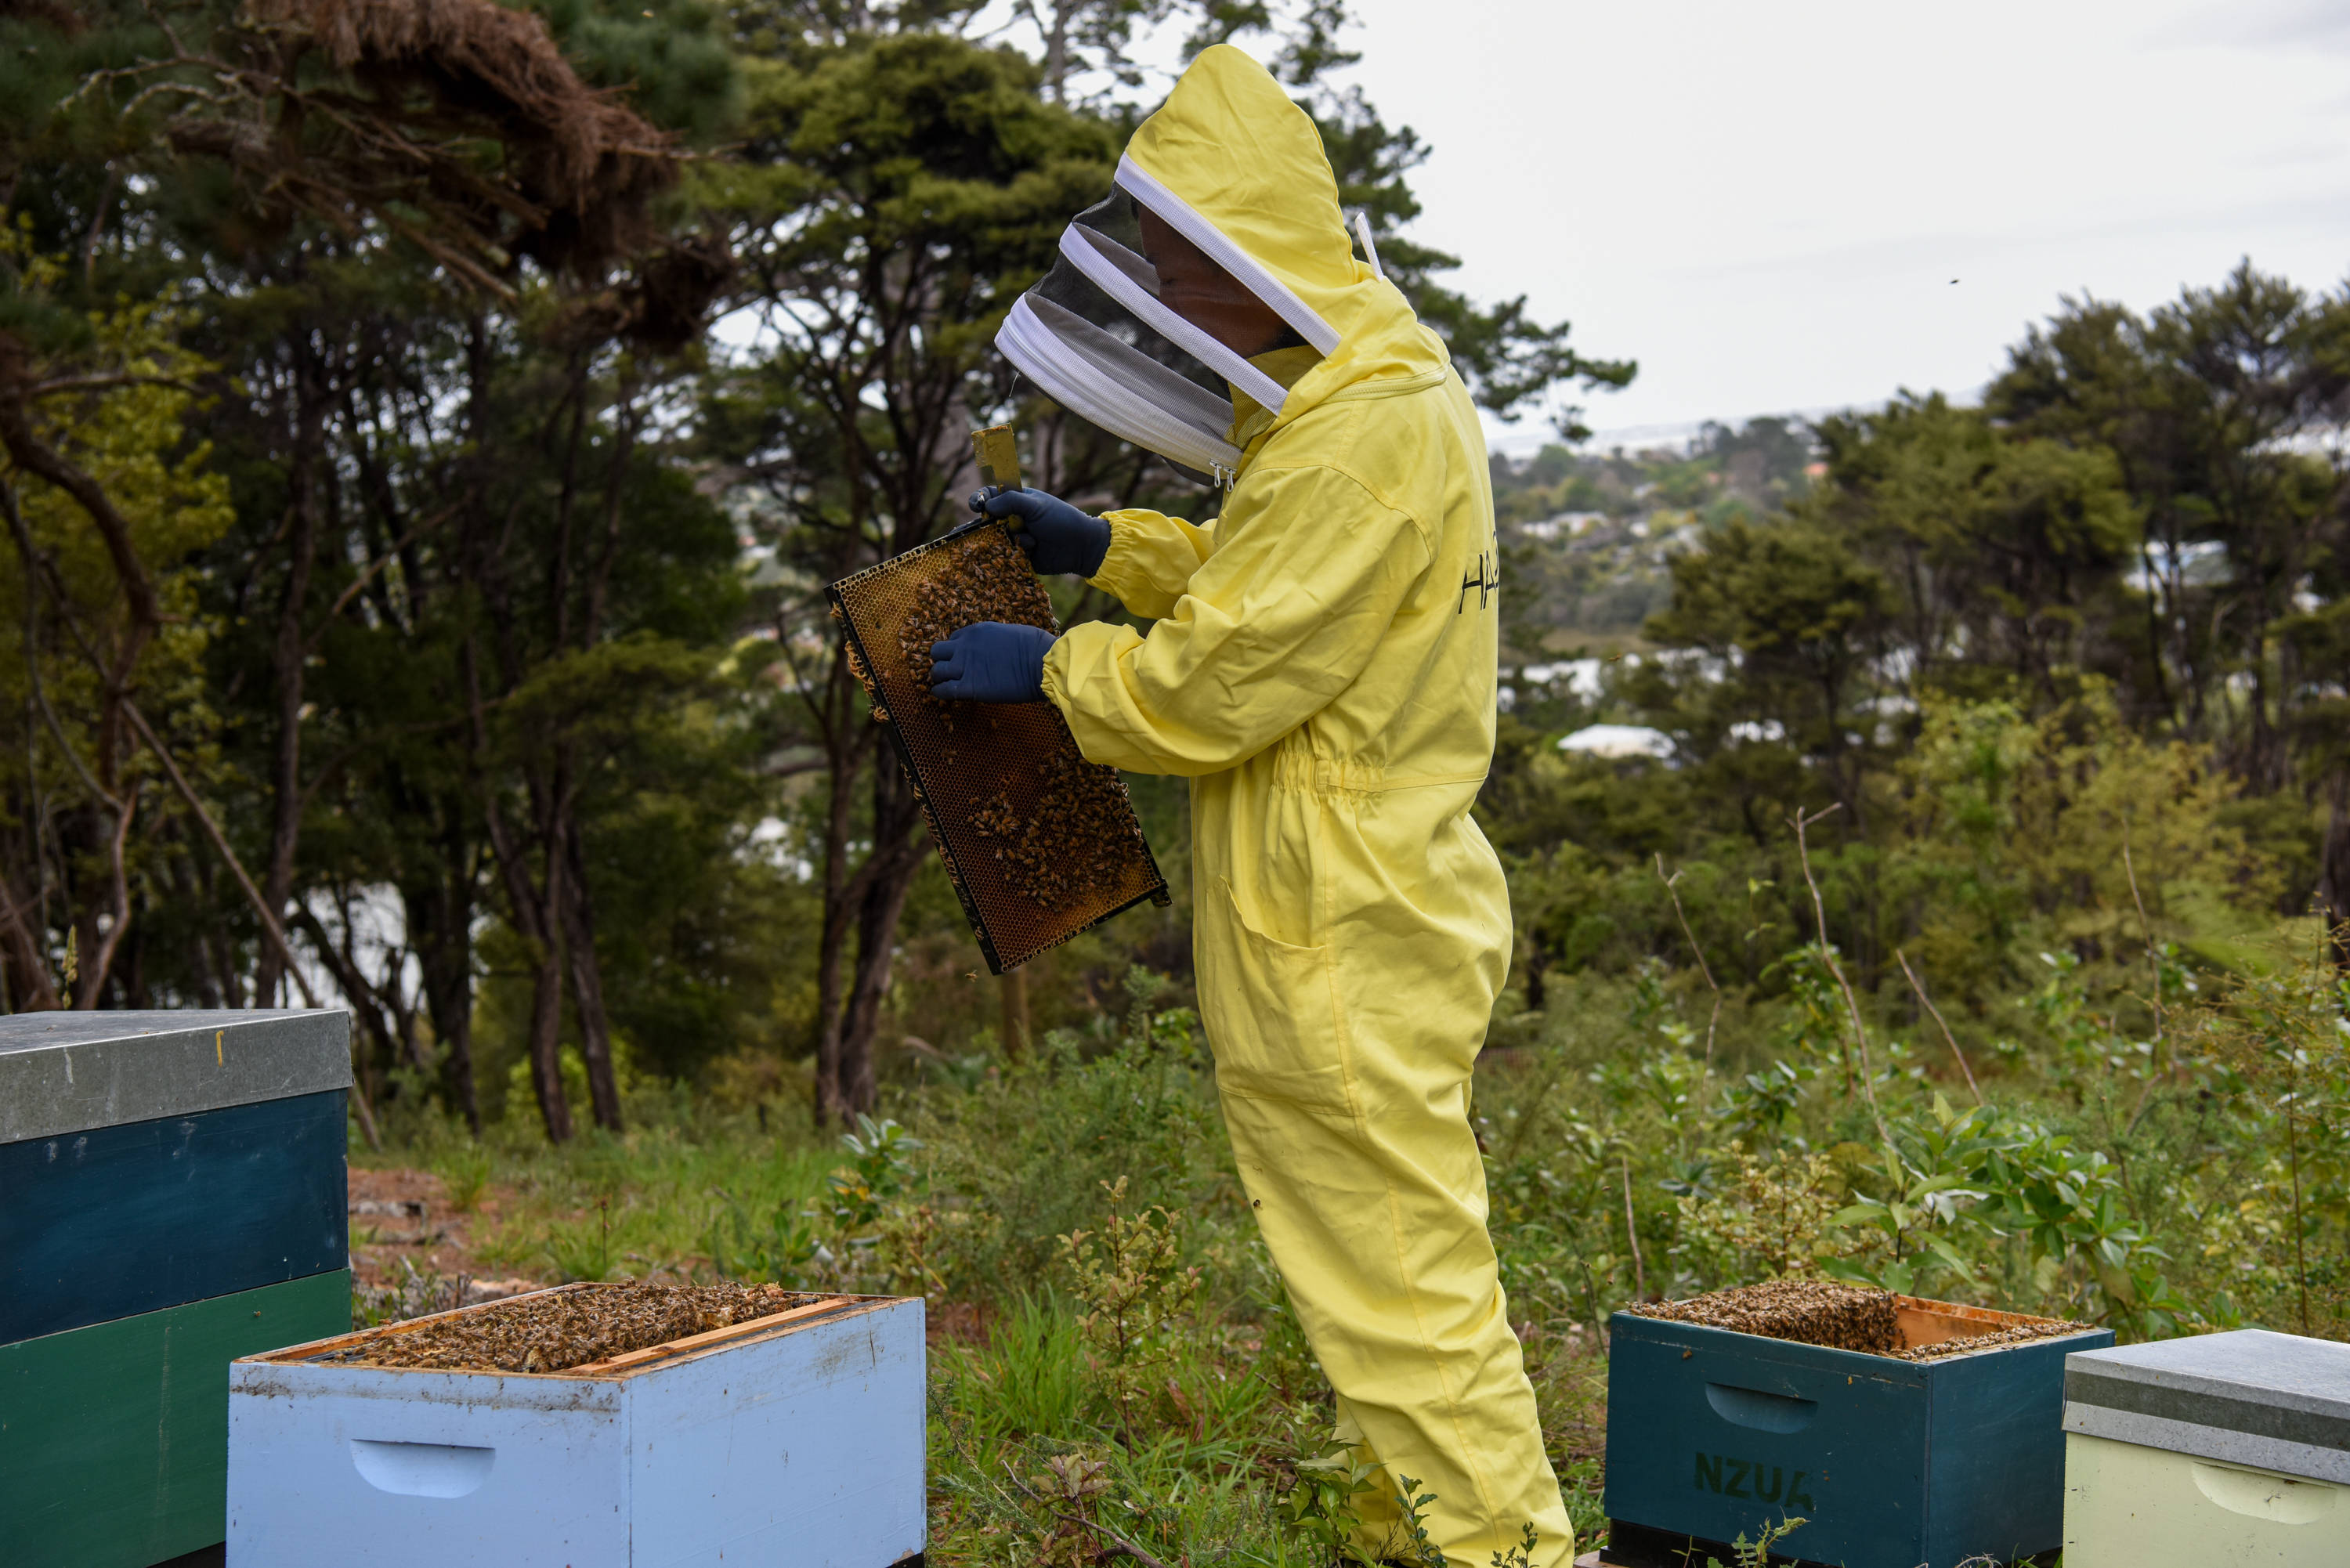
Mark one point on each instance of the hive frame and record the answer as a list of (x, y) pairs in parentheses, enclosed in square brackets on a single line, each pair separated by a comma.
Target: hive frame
[(961, 874)]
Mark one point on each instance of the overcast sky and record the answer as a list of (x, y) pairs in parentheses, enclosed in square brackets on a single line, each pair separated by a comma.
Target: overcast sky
[(1765, 203)]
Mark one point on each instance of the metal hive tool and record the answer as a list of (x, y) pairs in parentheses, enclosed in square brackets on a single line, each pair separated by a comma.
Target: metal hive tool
[(1039, 843)]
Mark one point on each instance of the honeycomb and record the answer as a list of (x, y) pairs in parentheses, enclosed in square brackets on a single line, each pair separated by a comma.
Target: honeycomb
[(1040, 843), (2014, 1333)]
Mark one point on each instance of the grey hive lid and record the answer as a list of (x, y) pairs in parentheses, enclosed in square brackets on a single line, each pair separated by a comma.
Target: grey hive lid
[(2273, 1401), (71, 1072)]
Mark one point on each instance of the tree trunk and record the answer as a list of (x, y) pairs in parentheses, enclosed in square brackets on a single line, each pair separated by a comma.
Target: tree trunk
[(537, 917), (545, 933), (366, 1004), (587, 988), (219, 951), (29, 988), (877, 942), (843, 746), (444, 937), (1012, 993), (545, 1040), (2334, 869), (286, 661), (1056, 52), (896, 857)]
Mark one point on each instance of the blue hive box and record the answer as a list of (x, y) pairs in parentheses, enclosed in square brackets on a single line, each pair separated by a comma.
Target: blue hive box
[(172, 1198), (1714, 1434)]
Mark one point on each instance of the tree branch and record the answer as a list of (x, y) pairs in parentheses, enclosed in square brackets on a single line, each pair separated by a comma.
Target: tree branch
[(1827, 956), (1937, 1015), (1702, 967)]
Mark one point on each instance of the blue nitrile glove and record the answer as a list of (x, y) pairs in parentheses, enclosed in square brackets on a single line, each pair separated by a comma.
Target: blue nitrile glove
[(991, 661), (1056, 536)]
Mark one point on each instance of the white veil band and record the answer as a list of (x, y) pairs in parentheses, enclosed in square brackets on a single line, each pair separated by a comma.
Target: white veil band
[(1108, 382)]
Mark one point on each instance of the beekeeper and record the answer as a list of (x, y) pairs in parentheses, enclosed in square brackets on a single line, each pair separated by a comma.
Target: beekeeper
[(1322, 668)]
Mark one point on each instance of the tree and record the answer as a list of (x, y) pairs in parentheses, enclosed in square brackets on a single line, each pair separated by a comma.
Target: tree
[(2209, 407), (317, 173), (2009, 551), (898, 194)]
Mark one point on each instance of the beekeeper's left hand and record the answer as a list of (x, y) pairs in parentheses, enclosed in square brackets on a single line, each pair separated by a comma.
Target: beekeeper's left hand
[(991, 661)]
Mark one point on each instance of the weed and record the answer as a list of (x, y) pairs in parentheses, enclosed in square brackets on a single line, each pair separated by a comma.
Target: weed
[(412, 1294), (465, 1177), (1521, 1555), (1139, 1297), (1408, 1541), (1319, 1509), (781, 1248), (1756, 1553), (1028, 1379), (1069, 1487)]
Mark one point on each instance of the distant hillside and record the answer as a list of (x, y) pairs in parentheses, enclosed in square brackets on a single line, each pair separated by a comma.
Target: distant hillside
[(1586, 535)]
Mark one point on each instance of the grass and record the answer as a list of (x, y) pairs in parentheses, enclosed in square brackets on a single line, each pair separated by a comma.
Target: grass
[(1198, 1435), (640, 1205)]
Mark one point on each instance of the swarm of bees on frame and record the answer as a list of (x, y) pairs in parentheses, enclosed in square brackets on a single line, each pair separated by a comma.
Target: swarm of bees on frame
[(990, 579), (1810, 1312), (2014, 1333), (1078, 837), (1836, 1316), (1012, 801), (556, 1330)]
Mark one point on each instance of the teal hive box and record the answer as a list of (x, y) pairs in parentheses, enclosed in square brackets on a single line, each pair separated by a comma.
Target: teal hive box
[(172, 1198), (1713, 1434)]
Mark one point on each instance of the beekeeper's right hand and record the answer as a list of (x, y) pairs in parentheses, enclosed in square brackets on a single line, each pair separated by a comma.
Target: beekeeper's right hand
[(1056, 536)]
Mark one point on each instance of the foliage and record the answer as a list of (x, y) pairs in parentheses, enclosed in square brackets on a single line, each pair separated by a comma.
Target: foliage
[(1756, 1553), (1139, 1299)]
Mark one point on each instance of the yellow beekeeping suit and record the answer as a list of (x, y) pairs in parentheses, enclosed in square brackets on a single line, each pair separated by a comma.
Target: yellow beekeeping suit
[(1323, 669)]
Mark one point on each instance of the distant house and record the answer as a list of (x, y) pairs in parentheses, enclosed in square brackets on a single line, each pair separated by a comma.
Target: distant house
[(1567, 525), (1618, 741)]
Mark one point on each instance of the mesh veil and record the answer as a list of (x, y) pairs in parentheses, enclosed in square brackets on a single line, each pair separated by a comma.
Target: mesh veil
[(1093, 336)]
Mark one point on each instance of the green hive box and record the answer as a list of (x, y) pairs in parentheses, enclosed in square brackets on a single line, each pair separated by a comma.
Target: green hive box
[(1713, 1434), (172, 1198)]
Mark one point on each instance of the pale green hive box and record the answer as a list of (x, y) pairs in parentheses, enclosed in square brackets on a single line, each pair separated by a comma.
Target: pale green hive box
[(2225, 1451)]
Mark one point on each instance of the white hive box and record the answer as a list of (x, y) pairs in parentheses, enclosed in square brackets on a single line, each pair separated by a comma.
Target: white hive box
[(2232, 1448), (794, 1440)]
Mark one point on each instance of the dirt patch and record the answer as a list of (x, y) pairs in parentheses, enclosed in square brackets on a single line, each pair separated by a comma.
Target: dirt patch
[(957, 1323), (556, 1330), (412, 1247), (1809, 1311)]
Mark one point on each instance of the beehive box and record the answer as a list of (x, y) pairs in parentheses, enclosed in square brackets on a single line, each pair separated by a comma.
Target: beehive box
[(171, 1197), (793, 1438), (2230, 1448), (1714, 1433)]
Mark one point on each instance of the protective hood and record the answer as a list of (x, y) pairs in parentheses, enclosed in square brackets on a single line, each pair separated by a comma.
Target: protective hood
[(1236, 168)]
